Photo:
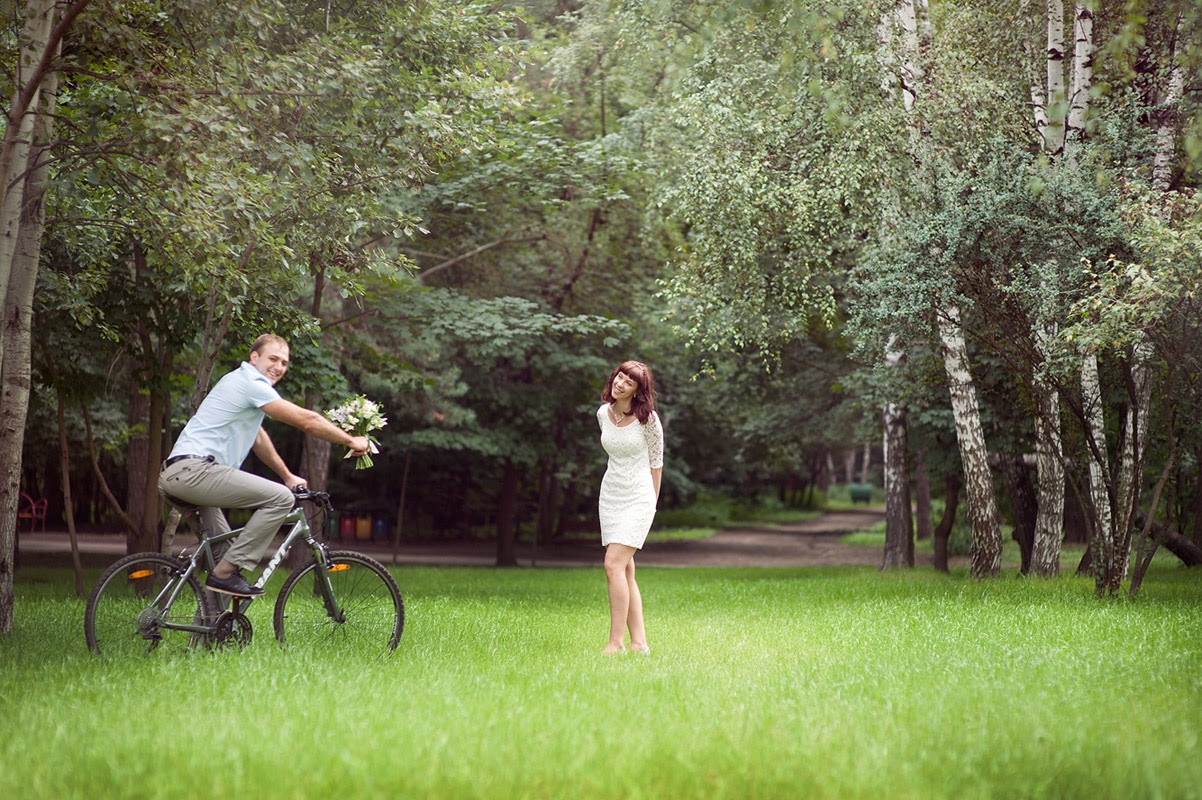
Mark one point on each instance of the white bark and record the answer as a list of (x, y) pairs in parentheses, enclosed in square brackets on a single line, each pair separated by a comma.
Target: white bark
[(1053, 131), (1135, 443), (900, 51), (1049, 488), (1038, 81), (18, 132), (974, 454), (899, 525), (909, 70), (1166, 128), (1083, 53), (1099, 471), (20, 237)]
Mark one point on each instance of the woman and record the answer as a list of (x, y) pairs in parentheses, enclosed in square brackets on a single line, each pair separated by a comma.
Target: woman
[(634, 439)]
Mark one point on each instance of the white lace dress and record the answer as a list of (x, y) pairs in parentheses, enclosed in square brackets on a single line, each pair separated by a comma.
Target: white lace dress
[(627, 501)]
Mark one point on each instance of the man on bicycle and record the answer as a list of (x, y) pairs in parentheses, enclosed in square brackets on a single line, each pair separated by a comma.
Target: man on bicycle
[(204, 467)]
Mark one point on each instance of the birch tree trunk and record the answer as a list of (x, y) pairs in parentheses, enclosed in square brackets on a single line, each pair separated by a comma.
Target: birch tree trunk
[(1049, 487), (1135, 441), (22, 214), (1102, 545), (899, 525), (1083, 55), (978, 480), (1051, 110), (1166, 122)]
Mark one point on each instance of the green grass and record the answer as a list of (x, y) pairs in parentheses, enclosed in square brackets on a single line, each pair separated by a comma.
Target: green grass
[(798, 683)]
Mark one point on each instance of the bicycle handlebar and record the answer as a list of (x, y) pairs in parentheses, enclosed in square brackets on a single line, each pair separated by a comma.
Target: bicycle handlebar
[(303, 493)]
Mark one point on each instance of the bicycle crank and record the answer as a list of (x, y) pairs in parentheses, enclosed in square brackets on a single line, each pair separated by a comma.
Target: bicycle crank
[(231, 628)]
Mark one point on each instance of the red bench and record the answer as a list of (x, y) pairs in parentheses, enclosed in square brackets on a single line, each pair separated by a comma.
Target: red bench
[(33, 510)]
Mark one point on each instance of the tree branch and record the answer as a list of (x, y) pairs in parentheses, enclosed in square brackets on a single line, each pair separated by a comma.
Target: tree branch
[(469, 254)]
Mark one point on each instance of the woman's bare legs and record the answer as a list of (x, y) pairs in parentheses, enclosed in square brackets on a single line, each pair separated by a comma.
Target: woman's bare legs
[(625, 601), (634, 615)]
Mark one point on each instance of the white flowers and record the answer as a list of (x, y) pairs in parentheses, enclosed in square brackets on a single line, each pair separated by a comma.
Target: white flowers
[(359, 417)]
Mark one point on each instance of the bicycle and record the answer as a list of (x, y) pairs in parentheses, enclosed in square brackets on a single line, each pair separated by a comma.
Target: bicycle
[(150, 602)]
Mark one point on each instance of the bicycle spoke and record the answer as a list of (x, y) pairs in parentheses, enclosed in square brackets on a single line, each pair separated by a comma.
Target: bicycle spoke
[(135, 604), (371, 611)]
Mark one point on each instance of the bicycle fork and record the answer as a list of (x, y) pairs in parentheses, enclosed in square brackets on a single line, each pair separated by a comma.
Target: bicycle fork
[(324, 568)]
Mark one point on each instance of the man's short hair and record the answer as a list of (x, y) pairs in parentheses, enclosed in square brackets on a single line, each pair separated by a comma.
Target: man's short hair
[(266, 339)]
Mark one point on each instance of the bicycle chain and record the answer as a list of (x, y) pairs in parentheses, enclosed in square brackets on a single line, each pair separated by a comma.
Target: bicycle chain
[(232, 628)]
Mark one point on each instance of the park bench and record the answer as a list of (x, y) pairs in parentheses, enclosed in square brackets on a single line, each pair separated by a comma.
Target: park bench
[(33, 510)]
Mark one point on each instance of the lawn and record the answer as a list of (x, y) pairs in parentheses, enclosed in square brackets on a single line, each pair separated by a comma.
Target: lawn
[(800, 683)]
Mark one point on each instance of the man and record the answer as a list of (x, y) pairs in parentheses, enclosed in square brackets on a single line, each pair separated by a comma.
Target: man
[(204, 467)]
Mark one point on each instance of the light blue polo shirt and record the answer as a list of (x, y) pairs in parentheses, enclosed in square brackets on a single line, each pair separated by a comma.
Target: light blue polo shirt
[(228, 420)]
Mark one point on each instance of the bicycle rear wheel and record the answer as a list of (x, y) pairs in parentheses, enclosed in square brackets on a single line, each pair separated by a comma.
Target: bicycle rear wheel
[(130, 610), (372, 611)]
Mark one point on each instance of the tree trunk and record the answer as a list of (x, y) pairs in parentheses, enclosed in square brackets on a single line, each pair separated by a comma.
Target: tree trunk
[(1022, 505), (978, 481), (1104, 558), (922, 496), (1050, 109), (548, 496), (64, 458), (1049, 487), (506, 513), (943, 530), (316, 460), (1083, 54), (1189, 552), (137, 464), (1166, 119), (399, 531), (1135, 441), (22, 220), (899, 525), (1197, 514)]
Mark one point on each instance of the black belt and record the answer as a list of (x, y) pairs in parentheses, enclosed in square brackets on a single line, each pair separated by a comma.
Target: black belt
[(173, 459)]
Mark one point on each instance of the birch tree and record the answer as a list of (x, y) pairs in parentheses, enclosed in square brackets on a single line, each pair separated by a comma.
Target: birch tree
[(902, 29), (28, 129)]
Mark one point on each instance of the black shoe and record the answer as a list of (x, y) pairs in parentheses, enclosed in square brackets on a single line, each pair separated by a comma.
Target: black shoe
[(234, 584)]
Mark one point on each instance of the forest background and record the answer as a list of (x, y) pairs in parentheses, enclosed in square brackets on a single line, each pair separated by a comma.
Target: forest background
[(957, 240)]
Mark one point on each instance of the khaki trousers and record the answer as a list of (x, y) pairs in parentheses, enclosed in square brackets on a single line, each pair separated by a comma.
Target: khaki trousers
[(214, 487)]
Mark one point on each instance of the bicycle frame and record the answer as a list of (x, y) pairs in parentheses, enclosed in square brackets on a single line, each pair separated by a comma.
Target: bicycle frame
[(203, 556)]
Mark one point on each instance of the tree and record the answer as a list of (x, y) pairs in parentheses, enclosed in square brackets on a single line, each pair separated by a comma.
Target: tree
[(27, 136), (227, 188)]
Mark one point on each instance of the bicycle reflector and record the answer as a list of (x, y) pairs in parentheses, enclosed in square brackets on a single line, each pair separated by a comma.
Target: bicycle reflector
[(138, 574), (338, 568)]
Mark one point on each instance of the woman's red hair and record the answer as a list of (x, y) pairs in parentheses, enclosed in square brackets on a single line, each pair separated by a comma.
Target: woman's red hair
[(643, 402)]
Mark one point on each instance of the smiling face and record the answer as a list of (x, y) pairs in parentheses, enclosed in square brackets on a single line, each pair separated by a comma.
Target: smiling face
[(271, 360), (623, 387)]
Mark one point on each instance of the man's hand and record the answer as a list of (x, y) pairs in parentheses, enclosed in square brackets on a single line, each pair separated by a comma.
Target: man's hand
[(293, 481), (360, 445)]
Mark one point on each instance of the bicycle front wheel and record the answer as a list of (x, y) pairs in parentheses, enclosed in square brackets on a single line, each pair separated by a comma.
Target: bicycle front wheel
[(367, 612), (139, 603)]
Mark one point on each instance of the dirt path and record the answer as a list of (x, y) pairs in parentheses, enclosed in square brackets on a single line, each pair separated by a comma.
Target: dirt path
[(814, 542)]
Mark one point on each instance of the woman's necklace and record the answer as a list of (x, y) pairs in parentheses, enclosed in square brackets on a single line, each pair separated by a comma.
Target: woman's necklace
[(617, 416)]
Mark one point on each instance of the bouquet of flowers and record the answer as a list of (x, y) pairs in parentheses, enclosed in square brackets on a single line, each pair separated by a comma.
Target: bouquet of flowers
[(359, 417)]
